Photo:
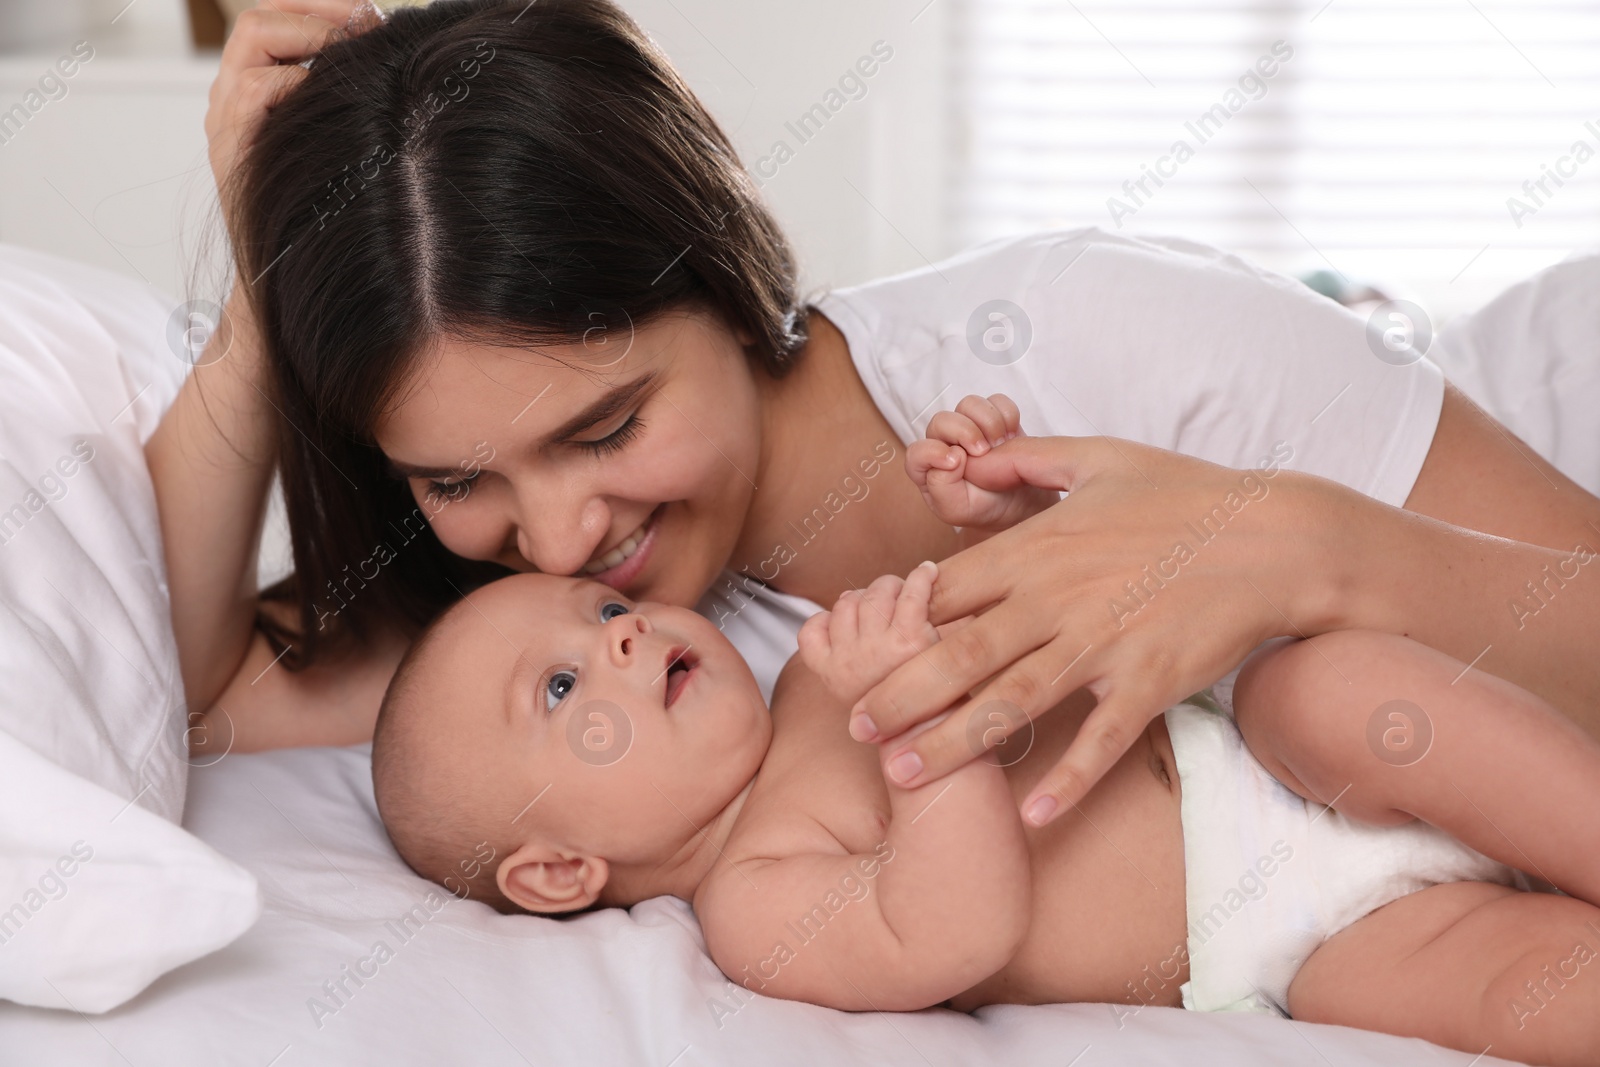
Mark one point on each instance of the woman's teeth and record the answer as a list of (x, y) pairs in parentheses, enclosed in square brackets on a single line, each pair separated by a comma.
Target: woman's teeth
[(618, 554)]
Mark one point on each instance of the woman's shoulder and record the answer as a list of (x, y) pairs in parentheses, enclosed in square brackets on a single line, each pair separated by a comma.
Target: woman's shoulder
[(1160, 340), (1084, 311), (1031, 264)]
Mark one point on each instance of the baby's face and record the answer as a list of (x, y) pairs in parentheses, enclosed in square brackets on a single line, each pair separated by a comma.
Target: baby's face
[(627, 725)]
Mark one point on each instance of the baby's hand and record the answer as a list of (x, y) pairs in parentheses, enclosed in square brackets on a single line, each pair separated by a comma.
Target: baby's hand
[(869, 633), (938, 464)]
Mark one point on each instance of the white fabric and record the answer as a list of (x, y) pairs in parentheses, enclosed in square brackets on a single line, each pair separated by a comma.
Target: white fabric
[(1531, 358), (1157, 340), (762, 623), (93, 765), (1269, 875), (468, 985)]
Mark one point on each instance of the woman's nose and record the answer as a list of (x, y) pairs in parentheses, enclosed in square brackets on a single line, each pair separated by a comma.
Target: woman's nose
[(560, 543)]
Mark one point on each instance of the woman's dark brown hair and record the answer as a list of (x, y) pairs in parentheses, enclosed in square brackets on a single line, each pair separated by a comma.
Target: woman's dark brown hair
[(500, 172)]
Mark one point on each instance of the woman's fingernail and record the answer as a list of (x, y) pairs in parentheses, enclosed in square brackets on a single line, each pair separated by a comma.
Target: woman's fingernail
[(862, 728), (1041, 809), (929, 563), (904, 767)]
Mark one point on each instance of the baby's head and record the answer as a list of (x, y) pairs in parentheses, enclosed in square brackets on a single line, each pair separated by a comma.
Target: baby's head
[(548, 744)]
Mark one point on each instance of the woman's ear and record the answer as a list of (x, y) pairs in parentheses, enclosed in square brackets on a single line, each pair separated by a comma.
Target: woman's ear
[(541, 879)]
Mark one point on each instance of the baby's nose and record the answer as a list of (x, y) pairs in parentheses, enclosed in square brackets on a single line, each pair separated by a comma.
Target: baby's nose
[(622, 631)]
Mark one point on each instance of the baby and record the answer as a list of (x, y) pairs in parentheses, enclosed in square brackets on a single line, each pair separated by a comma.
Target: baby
[(550, 746)]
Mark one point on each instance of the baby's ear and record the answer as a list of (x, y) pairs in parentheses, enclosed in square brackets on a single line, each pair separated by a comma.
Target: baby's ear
[(541, 879)]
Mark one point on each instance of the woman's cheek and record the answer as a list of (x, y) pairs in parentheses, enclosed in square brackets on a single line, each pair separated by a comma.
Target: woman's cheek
[(465, 534), (685, 463)]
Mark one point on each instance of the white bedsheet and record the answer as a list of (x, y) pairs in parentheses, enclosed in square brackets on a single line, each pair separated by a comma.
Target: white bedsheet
[(472, 986)]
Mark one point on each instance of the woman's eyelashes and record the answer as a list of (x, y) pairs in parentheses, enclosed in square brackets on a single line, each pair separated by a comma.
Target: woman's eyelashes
[(452, 491), (617, 439)]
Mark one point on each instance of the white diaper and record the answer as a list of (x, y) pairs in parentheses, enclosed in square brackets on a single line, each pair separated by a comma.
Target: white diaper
[(1270, 875)]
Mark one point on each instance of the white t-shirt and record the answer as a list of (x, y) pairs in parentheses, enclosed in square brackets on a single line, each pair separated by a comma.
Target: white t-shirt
[(1157, 340)]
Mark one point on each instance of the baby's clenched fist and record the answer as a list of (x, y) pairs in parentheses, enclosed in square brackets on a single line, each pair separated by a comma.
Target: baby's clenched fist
[(938, 465), (870, 632)]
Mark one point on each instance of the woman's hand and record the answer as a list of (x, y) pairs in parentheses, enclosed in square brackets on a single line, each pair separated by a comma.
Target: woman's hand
[(260, 63), (1155, 577)]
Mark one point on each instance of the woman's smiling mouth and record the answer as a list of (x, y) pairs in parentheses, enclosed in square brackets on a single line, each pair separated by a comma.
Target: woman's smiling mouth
[(622, 564)]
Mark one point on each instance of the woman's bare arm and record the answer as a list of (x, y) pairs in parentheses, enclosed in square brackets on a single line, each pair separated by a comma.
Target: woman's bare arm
[(1505, 578), (1526, 599), (211, 461)]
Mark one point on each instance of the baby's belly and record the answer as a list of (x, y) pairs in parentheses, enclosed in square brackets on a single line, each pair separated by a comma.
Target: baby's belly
[(1109, 919)]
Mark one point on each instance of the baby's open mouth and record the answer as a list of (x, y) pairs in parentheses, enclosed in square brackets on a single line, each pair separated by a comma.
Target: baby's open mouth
[(681, 663)]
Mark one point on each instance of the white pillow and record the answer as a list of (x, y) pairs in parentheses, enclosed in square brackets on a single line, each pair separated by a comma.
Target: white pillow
[(100, 891), (1528, 357)]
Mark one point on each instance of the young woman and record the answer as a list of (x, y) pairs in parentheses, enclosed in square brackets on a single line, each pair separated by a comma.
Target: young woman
[(508, 301)]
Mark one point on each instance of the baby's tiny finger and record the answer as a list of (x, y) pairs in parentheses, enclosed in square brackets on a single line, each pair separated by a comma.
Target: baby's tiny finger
[(954, 428), (989, 420), (878, 608), (1010, 414), (844, 627), (813, 640), (911, 609), (926, 455)]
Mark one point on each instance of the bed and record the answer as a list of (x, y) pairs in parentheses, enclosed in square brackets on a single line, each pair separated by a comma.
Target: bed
[(356, 960), (463, 984)]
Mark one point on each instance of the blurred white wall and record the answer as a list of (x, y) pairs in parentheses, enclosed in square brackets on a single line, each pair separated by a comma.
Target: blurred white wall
[(114, 171), (865, 196)]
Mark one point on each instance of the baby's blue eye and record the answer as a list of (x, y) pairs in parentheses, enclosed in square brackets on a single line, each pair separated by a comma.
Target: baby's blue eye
[(611, 609), (556, 690)]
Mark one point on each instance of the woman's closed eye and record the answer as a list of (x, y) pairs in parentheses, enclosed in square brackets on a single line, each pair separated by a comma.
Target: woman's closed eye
[(453, 490), (617, 439)]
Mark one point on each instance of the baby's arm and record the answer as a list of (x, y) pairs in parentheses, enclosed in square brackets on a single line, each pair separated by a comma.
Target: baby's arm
[(942, 902), (980, 504)]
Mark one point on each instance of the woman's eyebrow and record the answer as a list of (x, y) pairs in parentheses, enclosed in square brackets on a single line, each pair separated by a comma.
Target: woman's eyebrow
[(400, 470), (603, 408)]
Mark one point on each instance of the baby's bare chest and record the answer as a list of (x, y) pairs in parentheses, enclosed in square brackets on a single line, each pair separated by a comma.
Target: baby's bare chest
[(1108, 886)]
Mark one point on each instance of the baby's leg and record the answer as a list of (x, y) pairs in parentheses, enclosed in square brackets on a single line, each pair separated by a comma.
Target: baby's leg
[(1386, 729), (1469, 965)]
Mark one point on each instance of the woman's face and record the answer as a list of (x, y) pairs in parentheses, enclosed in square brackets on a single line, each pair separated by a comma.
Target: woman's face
[(628, 459)]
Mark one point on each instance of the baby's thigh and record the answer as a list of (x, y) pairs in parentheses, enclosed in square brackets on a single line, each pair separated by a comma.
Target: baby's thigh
[(1333, 711), (1469, 965)]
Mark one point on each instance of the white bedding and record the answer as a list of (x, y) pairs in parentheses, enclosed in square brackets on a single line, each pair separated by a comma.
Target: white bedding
[(470, 986)]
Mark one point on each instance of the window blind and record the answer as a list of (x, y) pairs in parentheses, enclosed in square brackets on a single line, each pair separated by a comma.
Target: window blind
[(1439, 149)]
